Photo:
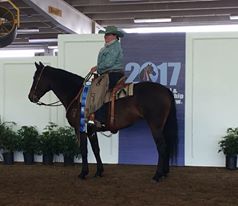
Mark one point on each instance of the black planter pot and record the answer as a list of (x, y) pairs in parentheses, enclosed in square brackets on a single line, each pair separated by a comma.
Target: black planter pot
[(68, 160), (28, 158), (48, 159), (231, 162), (8, 158)]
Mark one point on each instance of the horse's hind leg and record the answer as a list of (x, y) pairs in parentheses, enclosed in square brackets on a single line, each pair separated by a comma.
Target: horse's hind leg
[(166, 161), (163, 161), (96, 150)]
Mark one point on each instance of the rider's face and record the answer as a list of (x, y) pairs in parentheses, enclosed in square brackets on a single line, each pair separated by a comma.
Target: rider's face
[(109, 37)]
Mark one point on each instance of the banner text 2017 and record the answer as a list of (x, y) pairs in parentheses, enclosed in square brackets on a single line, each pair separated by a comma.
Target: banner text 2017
[(165, 73)]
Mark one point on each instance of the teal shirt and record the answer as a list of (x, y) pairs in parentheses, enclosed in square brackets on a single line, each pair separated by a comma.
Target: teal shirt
[(110, 58)]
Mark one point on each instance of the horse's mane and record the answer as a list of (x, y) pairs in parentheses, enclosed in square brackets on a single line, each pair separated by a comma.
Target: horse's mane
[(66, 74), (70, 81)]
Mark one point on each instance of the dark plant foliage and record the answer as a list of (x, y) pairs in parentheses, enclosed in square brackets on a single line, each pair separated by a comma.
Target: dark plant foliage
[(29, 139), (229, 143), (9, 140)]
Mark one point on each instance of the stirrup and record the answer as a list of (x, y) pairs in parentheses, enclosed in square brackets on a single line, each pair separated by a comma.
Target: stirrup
[(91, 122), (91, 119)]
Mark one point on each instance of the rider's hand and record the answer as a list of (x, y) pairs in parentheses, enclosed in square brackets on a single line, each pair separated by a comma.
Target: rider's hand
[(93, 69)]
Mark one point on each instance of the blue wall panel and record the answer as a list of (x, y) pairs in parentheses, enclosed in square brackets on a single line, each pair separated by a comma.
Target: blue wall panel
[(166, 53)]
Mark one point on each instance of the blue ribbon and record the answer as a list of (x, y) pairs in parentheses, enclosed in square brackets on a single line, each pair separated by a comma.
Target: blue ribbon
[(86, 88)]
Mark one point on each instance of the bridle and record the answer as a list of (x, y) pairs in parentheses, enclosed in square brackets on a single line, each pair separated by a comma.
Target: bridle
[(34, 92), (88, 76)]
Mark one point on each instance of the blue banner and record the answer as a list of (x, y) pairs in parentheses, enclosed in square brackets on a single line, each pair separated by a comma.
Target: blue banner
[(158, 58)]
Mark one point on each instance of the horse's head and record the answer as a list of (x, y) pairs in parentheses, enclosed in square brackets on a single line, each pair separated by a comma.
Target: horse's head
[(40, 83), (145, 73), (149, 68)]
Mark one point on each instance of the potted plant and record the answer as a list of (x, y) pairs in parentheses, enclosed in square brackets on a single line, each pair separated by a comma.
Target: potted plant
[(8, 141), (229, 146), (49, 143), (28, 143), (68, 146)]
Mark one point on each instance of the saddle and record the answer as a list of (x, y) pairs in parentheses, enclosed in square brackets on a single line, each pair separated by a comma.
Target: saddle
[(99, 94)]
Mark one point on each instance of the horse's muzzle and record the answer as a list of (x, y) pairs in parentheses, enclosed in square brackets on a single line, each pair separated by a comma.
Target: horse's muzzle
[(33, 98)]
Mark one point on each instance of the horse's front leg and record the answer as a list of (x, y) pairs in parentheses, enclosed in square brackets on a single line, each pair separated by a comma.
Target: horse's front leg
[(96, 150), (84, 153)]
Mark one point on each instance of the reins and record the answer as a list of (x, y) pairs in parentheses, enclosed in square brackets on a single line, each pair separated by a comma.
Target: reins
[(74, 99), (53, 104), (88, 76)]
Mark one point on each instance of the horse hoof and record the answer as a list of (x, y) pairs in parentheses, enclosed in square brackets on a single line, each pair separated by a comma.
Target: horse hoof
[(98, 175), (165, 175), (156, 179), (82, 176)]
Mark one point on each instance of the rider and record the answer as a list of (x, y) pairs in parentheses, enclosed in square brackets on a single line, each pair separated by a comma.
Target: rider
[(110, 57), (110, 60)]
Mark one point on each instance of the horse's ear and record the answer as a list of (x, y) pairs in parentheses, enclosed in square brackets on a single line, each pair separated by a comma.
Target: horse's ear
[(37, 66), (42, 65)]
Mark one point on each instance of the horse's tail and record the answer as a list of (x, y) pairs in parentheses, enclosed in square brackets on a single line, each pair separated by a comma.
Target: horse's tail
[(171, 130)]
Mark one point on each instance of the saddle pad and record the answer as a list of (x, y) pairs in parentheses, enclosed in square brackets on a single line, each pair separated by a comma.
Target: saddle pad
[(127, 90), (99, 94)]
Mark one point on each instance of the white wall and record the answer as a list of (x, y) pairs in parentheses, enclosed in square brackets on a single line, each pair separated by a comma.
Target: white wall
[(16, 77), (78, 53), (211, 95)]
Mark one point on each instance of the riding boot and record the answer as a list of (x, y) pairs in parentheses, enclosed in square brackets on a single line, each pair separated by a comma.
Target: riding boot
[(91, 119), (113, 79), (101, 114)]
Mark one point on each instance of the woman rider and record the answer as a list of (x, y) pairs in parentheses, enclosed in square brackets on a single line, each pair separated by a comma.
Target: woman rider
[(110, 60)]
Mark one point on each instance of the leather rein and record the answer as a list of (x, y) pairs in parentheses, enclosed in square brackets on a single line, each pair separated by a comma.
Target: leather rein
[(55, 104)]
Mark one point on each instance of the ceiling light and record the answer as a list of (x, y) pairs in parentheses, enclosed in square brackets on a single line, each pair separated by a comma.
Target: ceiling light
[(27, 31), (19, 53), (42, 40), (233, 17), (208, 28), (124, 0), (52, 47), (160, 20)]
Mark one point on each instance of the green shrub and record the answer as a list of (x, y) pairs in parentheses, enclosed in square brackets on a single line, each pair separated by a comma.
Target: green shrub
[(229, 143), (28, 139), (68, 142), (9, 140), (49, 141)]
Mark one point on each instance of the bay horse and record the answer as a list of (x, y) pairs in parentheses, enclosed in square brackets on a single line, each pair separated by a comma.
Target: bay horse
[(152, 102)]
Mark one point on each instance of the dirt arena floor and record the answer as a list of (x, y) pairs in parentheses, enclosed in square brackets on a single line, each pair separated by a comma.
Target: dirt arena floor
[(122, 185)]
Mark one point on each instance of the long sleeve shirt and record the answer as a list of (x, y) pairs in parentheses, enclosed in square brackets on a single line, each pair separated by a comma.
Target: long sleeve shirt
[(110, 58)]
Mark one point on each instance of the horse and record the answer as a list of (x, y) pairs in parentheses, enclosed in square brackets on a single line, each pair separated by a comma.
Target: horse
[(145, 73), (152, 102)]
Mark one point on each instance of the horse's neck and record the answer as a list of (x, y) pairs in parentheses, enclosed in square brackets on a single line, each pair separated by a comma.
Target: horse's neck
[(62, 95), (66, 90)]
